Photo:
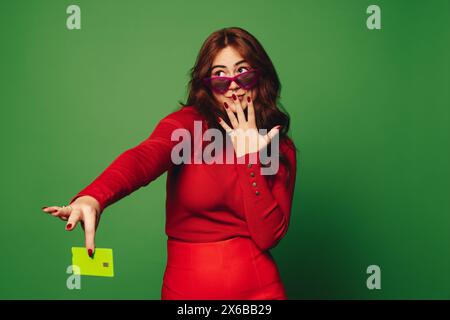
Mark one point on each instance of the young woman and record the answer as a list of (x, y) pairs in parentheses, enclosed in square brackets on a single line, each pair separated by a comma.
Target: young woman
[(221, 218)]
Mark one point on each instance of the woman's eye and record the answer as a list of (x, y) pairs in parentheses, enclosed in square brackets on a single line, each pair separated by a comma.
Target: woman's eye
[(222, 73)]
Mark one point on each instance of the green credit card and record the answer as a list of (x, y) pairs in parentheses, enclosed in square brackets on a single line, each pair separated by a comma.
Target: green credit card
[(101, 264)]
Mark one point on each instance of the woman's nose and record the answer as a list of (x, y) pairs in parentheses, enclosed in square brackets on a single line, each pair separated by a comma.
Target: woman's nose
[(233, 86)]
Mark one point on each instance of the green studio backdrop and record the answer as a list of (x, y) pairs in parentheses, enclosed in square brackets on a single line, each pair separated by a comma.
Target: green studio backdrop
[(369, 114)]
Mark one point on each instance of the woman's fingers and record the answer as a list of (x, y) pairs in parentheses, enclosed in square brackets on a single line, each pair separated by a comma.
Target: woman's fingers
[(73, 219), (225, 126), (228, 130), (250, 113), (269, 136), (239, 110), (61, 212), (89, 231), (50, 209), (85, 215), (65, 212), (231, 116)]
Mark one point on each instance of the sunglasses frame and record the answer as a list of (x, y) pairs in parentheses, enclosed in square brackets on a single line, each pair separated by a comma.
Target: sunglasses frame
[(207, 81)]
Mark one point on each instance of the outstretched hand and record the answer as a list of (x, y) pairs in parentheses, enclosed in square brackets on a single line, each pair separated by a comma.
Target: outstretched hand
[(85, 210)]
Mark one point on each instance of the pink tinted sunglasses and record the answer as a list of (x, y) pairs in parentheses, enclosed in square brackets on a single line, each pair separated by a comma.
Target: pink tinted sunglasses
[(246, 80)]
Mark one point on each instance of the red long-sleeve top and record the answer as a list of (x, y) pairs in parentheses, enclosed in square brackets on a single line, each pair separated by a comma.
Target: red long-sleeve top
[(204, 202)]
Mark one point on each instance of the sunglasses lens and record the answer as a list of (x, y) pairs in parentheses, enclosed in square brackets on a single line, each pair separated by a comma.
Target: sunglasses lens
[(247, 79), (220, 85)]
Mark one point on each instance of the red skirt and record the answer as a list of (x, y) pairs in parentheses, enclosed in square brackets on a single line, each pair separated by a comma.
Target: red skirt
[(232, 269)]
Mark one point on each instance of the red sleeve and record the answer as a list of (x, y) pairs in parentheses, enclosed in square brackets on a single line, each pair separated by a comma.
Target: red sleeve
[(136, 167), (268, 208)]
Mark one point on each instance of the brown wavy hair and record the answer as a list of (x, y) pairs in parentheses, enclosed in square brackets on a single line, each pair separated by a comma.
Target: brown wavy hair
[(266, 103)]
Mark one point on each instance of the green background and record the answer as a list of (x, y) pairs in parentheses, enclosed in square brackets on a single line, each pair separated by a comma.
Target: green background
[(369, 111)]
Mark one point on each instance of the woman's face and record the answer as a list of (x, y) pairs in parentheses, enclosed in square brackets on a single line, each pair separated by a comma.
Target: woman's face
[(228, 62)]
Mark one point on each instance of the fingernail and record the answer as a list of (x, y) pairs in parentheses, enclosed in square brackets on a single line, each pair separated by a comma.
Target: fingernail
[(248, 99), (226, 105), (69, 226), (90, 252), (278, 127), (234, 96), (44, 208), (219, 120)]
